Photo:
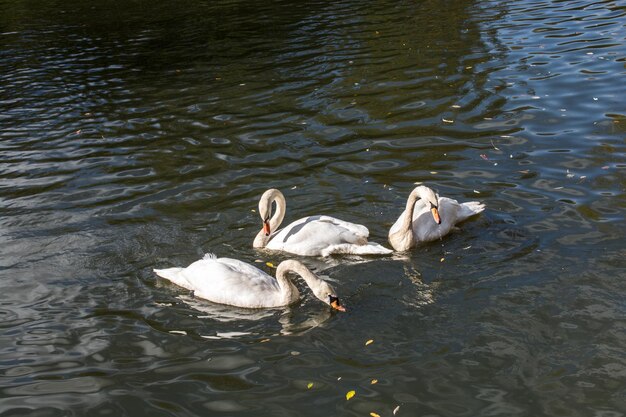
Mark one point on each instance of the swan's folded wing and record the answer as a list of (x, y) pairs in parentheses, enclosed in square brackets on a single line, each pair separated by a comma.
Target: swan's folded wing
[(229, 281), (357, 229)]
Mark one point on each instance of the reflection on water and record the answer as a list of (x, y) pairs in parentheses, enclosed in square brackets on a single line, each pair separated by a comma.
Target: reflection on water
[(135, 136)]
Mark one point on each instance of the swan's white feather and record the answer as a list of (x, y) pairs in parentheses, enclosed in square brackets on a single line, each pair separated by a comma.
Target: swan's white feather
[(425, 229), (324, 236), (229, 281)]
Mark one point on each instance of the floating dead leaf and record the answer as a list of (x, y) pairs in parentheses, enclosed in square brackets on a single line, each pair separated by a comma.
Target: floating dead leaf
[(605, 167), (447, 120), (265, 340), (309, 385), (258, 260), (442, 259), (350, 394), (395, 410), (476, 192), (253, 210), (369, 342), (271, 265), (373, 414), (374, 381), (482, 155)]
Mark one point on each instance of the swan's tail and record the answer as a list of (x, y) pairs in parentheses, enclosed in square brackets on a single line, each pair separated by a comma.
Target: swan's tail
[(469, 209), (173, 275), (371, 248)]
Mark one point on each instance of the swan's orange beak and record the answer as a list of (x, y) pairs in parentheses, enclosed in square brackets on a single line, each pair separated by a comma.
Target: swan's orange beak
[(435, 213), (335, 304), (266, 228)]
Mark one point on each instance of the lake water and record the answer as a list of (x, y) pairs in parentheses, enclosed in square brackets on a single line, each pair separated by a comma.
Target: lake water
[(141, 134)]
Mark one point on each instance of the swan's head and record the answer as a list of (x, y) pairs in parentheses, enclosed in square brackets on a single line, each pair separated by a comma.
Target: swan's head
[(265, 208), (325, 292), (428, 195)]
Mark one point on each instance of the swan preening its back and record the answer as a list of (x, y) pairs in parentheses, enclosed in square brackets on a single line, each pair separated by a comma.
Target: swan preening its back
[(313, 235), (428, 217), (236, 283)]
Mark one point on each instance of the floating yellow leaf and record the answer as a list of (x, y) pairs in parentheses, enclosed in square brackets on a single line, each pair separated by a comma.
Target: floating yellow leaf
[(265, 340), (310, 385), (350, 394), (442, 259), (271, 265), (374, 381), (373, 414), (369, 342)]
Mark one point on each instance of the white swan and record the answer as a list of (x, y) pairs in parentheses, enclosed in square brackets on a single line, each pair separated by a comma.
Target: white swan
[(313, 235), (428, 217), (236, 283)]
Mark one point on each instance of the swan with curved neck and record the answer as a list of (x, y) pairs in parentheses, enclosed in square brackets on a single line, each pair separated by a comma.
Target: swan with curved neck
[(312, 235), (427, 217), (233, 282)]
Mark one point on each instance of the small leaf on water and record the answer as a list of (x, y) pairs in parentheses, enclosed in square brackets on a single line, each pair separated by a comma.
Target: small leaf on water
[(265, 340), (373, 414), (258, 260), (271, 265), (369, 342), (374, 381), (350, 394), (442, 259), (482, 155), (309, 385), (395, 410), (447, 120)]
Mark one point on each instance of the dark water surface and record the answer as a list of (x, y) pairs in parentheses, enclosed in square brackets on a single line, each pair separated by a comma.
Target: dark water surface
[(138, 134)]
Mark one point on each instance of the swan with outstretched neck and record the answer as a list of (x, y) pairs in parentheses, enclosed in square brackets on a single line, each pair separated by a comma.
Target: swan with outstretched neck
[(428, 217), (312, 235), (233, 282)]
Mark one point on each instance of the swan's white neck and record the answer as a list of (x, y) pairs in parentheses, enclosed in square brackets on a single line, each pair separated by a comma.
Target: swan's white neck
[(265, 209), (403, 238), (320, 288)]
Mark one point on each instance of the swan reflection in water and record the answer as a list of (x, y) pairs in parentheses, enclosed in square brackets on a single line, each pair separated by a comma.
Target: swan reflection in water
[(246, 322)]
